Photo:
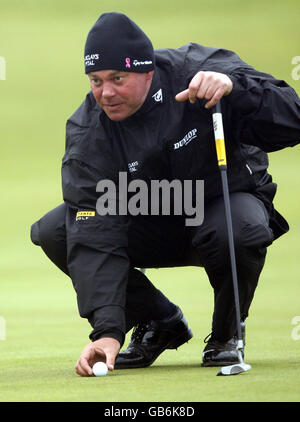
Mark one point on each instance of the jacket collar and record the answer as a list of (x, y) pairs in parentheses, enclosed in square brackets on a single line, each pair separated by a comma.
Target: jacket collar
[(154, 97)]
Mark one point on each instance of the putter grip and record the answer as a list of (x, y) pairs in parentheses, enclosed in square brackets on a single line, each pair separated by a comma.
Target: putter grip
[(219, 135)]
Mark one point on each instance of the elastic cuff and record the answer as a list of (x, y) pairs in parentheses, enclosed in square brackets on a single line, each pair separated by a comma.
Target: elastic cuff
[(116, 334)]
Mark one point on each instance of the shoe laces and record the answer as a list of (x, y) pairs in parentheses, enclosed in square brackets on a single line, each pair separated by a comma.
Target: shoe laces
[(235, 337), (206, 340), (139, 331)]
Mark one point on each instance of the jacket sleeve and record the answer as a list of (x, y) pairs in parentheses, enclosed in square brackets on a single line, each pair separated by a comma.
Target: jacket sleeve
[(97, 251), (264, 111)]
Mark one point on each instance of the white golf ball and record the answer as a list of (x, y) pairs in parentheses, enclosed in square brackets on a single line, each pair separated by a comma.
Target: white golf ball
[(100, 369)]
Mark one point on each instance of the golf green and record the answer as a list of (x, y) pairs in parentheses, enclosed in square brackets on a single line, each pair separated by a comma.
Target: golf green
[(41, 333)]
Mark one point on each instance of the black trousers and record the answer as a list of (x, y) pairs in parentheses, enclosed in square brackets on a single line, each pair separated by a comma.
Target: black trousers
[(155, 244)]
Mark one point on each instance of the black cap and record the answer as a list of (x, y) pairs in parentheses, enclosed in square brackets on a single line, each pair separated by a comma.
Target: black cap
[(116, 42)]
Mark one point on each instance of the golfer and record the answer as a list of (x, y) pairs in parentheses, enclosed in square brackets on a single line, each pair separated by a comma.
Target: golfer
[(147, 118)]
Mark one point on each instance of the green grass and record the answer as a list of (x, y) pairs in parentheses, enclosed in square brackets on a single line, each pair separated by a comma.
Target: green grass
[(45, 337), (42, 42)]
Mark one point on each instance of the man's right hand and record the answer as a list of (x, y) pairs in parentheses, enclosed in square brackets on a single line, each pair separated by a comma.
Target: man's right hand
[(209, 85), (103, 350)]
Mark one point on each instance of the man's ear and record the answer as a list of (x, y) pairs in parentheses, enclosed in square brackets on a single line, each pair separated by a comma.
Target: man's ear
[(149, 75)]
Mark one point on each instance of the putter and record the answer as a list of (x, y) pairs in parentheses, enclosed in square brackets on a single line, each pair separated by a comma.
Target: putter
[(221, 156)]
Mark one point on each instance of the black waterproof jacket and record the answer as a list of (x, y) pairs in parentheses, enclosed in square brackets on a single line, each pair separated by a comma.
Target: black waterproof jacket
[(261, 114)]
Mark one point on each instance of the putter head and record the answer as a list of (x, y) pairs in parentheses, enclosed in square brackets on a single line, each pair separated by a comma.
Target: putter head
[(234, 369), (237, 368)]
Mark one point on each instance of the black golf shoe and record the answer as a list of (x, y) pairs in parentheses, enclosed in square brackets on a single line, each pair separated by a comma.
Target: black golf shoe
[(216, 353), (149, 340)]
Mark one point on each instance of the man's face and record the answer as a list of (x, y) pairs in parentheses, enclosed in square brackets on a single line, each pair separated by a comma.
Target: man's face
[(120, 94)]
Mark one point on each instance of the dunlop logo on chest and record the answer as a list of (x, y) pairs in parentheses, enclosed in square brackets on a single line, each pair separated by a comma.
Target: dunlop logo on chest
[(192, 134)]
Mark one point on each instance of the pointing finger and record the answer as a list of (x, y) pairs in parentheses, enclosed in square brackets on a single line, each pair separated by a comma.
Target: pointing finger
[(182, 96)]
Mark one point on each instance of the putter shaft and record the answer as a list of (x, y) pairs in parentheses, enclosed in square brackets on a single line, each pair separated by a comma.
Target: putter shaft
[(222, 162)]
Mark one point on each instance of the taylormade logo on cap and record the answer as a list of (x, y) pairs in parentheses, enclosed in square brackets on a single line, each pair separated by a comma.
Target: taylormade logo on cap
[(137, 63)]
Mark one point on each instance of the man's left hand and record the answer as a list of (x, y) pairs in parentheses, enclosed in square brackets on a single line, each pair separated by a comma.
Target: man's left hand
[(209, 85)]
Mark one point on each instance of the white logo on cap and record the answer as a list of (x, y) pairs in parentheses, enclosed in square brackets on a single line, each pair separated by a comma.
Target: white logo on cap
[(90, 59), (137, 63)]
